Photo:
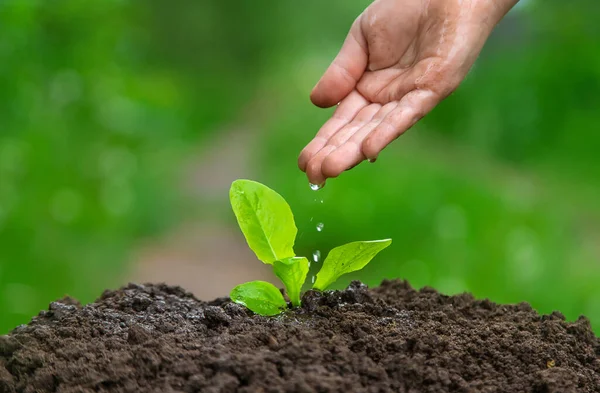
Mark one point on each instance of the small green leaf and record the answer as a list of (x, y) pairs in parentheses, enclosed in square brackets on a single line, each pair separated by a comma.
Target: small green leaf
[(292, 271), (260, 297), (265, 218), (348, 258)]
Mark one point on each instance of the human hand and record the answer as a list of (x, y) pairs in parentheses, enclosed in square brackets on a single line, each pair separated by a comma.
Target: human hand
[(400, 59)]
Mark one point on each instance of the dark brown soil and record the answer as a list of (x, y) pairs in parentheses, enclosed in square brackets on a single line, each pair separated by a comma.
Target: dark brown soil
[(156, 338)]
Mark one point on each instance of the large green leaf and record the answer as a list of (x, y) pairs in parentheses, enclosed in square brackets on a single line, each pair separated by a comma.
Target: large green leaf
[(265, 218), (348, 258), (292, 271), (260, 297)]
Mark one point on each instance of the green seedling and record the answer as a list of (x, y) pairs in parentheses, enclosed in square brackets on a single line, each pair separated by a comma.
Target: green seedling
[(259, 296), (292, 272), (267, 223)]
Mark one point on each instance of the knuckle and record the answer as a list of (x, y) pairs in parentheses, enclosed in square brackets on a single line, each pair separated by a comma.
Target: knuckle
[(360, 119), (335, 140), (344, 72), (358, 122), (338, 115)]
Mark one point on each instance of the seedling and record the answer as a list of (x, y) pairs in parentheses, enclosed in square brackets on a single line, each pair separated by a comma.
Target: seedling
[(267, 223)]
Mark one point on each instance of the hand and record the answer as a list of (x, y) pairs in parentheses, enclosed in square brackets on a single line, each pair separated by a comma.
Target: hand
[(400, 59)]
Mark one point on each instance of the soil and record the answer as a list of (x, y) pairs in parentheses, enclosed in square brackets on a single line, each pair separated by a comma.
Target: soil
[(156, 338)]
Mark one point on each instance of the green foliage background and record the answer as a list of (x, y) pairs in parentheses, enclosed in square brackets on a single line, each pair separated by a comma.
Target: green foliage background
[(496, 192)]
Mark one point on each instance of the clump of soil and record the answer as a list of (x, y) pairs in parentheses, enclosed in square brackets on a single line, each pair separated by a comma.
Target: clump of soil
[(156, 338)]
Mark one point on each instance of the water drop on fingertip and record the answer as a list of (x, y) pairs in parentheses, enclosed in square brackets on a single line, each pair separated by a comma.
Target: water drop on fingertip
[(372, 160), (316, 187)]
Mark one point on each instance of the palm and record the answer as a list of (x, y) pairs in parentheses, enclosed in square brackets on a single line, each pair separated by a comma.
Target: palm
[(396, 65)]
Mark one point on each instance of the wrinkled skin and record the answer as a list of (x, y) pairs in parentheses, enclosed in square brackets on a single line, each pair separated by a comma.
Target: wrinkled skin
[(400, 59)]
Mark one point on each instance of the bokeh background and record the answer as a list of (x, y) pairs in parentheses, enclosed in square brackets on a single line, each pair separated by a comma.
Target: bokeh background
[(122, 124)]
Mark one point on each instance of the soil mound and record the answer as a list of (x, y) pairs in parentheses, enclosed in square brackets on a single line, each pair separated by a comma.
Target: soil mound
[(155, 338)]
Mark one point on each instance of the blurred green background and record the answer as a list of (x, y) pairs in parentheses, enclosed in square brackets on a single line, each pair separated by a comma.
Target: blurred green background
[(103, 104)]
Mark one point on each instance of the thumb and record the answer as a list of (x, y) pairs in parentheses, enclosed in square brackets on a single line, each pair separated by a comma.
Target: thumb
[(344, 72)]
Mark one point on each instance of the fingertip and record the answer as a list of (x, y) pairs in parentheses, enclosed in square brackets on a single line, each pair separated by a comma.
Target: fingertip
[(370, 148), (342, 159), (314, 168), (321, 98), (331, 168), (303, 159), (301, 163), (313, 172)]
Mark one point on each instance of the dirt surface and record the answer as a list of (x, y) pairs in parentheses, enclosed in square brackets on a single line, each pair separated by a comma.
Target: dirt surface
[(389, 339)]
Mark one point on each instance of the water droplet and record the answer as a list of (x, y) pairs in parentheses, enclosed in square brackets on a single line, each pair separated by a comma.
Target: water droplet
[(316, 256), (313, 279), (320, 226), (372, 160), (321, 201), (316, 187), (311, 219)]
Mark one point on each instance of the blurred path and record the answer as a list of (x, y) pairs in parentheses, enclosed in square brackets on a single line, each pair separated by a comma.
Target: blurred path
[(206, 257)]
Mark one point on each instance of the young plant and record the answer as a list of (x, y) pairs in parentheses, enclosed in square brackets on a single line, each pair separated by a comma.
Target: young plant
[(267, 223)]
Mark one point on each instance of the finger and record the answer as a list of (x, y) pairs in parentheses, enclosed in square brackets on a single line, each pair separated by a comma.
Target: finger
[(410, 109), (350, 154), (363, 117), (344, 72), (343, 114), (313, 168), (315, 171)]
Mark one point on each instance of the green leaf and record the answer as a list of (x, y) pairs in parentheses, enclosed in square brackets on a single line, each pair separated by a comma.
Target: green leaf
[(292, 271), (348, 258), (265, 218), (260, 297)]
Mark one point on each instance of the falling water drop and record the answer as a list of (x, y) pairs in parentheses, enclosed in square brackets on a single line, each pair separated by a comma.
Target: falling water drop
[(316, 256), (320, 226), (313, 279)]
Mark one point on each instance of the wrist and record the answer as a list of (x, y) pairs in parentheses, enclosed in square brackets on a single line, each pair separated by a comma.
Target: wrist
[(488, 13), (501, 7)]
